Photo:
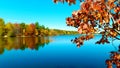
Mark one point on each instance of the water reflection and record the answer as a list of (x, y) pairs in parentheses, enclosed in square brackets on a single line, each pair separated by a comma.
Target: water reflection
[(114, 59), (112, 62), (23, 43)]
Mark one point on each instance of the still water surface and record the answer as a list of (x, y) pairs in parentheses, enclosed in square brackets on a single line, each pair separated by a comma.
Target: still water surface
[(54, 52)]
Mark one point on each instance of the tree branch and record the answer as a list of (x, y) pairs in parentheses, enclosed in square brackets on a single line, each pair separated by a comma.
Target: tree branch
[(117, 38), (114, 23)]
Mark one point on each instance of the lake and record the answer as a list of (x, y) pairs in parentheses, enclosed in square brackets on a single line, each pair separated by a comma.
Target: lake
[(54, 52)]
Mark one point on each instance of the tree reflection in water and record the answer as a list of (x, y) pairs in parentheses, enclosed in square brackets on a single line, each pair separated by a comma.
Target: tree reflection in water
[(114, 59), (23, 43), (114, 56)]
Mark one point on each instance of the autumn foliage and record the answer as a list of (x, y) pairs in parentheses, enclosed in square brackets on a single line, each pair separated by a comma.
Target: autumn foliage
[(95, 16), (29, 30), (114, 59)]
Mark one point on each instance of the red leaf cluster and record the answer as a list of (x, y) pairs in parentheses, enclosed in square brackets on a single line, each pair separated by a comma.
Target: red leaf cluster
[(114, 59), (95, 15)]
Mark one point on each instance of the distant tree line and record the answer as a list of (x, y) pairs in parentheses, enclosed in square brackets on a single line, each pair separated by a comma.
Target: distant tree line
[(25, 30)]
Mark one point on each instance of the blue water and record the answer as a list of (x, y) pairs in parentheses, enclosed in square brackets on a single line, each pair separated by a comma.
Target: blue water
[(60, 53)]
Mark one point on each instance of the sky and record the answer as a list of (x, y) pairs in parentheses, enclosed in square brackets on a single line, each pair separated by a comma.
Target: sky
[(45, 12)]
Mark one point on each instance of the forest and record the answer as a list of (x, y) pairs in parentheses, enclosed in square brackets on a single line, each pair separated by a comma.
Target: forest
[(28, 30)]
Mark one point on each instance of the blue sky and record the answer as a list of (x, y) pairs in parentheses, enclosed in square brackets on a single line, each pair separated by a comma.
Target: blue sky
[(44, 11)]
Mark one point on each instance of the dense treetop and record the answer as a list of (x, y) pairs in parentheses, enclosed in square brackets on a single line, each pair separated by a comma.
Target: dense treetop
[(101, 16)]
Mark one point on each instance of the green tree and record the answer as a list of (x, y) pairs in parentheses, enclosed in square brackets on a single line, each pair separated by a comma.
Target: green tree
[(23, 27), (42, 27), (2, 23), (47, 29), (37, 25), (37, 30), (9, 29)]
